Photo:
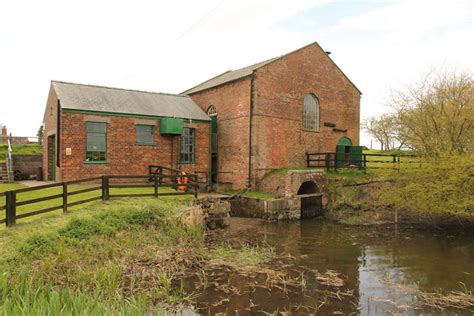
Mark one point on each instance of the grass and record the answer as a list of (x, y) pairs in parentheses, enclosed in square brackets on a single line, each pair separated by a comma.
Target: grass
[(20, 150), (25, 196), (120, 257), (83, 265)]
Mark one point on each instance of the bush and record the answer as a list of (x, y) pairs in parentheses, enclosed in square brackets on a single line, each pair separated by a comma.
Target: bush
[(37, 245), (84, 228), (442, 185)]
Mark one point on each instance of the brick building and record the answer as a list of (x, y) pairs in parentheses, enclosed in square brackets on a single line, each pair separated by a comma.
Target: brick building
[(91, 131), (270, 114), (237, 126)]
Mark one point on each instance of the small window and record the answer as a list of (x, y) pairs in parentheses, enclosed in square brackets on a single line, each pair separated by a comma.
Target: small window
[(212, 111), (145, 134), (187, 146), (96, 143), (311, 113)]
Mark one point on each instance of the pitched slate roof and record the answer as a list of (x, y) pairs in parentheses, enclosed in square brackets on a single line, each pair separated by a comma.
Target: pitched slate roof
[(228, 76), (232, 75), (104, 99)]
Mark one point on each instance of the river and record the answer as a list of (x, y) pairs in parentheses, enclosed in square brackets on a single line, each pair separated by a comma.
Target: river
[(385, 270)]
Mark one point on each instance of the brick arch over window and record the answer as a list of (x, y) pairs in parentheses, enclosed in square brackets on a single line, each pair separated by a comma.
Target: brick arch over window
[(310, 112), (212, 111)]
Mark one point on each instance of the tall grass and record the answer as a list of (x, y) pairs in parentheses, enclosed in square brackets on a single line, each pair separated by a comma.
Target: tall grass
[(84, 267)]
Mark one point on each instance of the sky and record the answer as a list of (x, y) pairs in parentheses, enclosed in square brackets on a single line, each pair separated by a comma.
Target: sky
[(170, 46)]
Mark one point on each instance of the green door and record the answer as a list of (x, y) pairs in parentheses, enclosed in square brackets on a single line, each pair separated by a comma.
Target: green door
[(214, 142), (52, 157)]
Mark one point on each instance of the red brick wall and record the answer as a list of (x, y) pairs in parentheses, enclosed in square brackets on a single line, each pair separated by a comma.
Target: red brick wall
[(232, 102), (279, 89), (49, 120), (124, 156)]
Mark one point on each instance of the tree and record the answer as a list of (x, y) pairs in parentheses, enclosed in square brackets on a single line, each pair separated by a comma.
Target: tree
[(383, 129), (40, 135), (437, 115)]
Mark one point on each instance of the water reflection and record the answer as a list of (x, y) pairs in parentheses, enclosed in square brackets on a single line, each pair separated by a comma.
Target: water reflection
[(384, 265)]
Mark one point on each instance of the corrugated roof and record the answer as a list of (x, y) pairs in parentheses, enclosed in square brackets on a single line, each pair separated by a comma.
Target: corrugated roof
[(228, 76), (105, 99)]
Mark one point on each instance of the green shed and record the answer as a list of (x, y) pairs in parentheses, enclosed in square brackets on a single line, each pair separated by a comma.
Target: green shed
[(347, 155)]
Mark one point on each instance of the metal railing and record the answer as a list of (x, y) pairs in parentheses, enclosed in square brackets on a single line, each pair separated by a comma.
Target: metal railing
[(9, 161)]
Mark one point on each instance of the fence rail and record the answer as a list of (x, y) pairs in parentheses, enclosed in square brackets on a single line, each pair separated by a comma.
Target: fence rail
[(158, 180), (330, 160)]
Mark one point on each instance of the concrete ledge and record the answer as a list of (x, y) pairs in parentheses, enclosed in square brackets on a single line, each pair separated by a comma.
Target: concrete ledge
[(280, 209)]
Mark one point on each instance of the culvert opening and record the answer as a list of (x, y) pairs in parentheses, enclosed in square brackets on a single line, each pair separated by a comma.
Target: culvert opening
[(311, 200)]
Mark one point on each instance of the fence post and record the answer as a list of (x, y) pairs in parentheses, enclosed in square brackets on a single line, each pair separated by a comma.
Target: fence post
[(105, 188), (11, 208), (365, 161), (64, 197), (335, 162), (307, 160), (155, 183)]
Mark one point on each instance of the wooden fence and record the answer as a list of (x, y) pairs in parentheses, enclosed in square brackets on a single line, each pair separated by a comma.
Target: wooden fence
[(330, 160), (103, 184)]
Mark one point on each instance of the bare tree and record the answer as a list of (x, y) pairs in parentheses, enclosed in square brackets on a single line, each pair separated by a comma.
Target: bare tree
[(383, 129)]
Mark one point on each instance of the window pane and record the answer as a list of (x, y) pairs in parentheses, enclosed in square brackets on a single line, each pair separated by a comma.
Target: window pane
[(187, 146), (145, 134), (96, 141), (310, 113)]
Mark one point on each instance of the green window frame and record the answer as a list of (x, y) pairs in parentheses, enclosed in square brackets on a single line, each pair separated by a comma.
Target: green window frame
[(96, 141), (145, 134), (187, 150)]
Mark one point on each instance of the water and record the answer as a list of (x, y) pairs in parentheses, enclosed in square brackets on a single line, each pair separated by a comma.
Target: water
[(384, 269)]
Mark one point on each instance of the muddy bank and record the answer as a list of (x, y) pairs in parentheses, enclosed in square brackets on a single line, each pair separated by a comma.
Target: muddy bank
[(361, 204)]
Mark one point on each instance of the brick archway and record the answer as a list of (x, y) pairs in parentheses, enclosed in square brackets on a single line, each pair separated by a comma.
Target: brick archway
[(308, 187), (311, 199)]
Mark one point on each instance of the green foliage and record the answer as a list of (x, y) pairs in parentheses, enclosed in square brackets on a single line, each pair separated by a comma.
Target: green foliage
[(106, 224), (37, 245), (436, 115), (84, 228), (123, 257), (443, 185), (20, 150)]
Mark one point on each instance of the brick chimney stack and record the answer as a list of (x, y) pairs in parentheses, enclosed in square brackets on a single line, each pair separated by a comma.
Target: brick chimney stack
[(4, 130)]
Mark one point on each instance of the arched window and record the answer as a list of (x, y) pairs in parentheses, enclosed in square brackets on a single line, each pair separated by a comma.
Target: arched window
[(311, 113), (212, 111)]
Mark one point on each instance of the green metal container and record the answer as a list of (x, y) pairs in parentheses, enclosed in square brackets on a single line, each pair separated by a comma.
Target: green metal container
[(171, 126)]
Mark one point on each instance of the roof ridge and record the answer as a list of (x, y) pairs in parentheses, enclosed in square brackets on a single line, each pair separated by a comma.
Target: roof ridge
[(217, 76), (115, 88), (229, 71)]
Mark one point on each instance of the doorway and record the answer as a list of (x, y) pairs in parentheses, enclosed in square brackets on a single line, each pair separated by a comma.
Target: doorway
[(212, 112), (52, 157)]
